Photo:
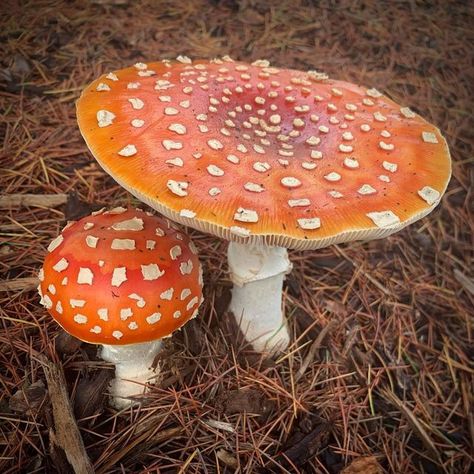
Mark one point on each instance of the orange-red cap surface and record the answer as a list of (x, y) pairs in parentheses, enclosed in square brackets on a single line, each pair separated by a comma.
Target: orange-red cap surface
[(256, 153), (121, 277)]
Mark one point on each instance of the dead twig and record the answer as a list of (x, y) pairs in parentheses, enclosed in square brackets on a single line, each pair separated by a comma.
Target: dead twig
[(67, 435)]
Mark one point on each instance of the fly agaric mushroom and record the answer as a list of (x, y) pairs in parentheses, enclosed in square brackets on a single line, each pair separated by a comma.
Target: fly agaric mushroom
[(267, 158), (124, 279)]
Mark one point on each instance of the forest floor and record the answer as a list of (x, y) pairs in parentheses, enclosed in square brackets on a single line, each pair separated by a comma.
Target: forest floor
[(388, 384)]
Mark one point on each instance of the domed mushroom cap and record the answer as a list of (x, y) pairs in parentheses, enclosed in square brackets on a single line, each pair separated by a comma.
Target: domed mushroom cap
[(251, 152), (121, 277)]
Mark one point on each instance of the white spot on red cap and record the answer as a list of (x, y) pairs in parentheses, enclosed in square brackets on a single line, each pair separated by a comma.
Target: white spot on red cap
[(379, 117), (186, 267), (123, 244), (254, 187), (55, 243), (112, 76), (177, 128), (119, 276), (214, 191), (128, 150), (246, 215), (104, 118), (85, 276), (351, 163), (187, 213), (126, 313), (137, 123), (407, 112), (290, 182), (333, 176), (346, 148), (103, 314), (61, 265), (153, 318), (136, 103), (192, 302), (172, 145), (430, 195), (214, 170), (177, 161), (135, 223), (91, 241), (140, 301), (373, 93), (178, 187), (384, 218), (310, 223), (76, 303), (366, 189), (175, 252), (117, 334), (299, 202), (429, 137), (386, 146), (80, 319), (151, 271), (215, 144), (392, 167), (167, 295), (184, 293), (171, 111)]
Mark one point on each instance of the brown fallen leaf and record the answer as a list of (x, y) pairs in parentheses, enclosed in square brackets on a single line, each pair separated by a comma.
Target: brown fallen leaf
[(363, 465), (91, 394), (227, 458), (66, 344), (305, 447), (28, 400), (240, 401)]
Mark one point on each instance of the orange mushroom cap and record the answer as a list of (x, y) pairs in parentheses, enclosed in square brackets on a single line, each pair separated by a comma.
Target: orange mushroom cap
[(251, 152), (121, 277)]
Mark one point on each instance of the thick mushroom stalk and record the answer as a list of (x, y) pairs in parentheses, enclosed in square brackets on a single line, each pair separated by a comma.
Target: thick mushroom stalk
[(257, 272), (133, 370)]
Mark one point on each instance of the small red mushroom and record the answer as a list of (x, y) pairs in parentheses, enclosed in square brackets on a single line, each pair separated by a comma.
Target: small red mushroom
[(267, 158), (124, 279)]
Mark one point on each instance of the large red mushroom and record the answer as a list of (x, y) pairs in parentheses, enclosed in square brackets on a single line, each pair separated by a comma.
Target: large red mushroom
[(267, 158)]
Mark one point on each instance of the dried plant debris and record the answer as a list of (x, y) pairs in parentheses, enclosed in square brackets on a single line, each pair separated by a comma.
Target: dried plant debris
[(381, 332)]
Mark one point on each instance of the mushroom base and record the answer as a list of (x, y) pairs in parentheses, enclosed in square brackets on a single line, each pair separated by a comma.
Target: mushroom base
[(257, 272), (133, 370)]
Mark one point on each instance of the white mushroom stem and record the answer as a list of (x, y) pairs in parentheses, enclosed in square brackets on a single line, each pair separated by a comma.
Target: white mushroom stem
[(257, 272), (133, 369)]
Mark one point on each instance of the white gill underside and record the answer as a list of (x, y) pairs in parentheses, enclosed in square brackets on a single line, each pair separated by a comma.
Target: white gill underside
[(133, 370)]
